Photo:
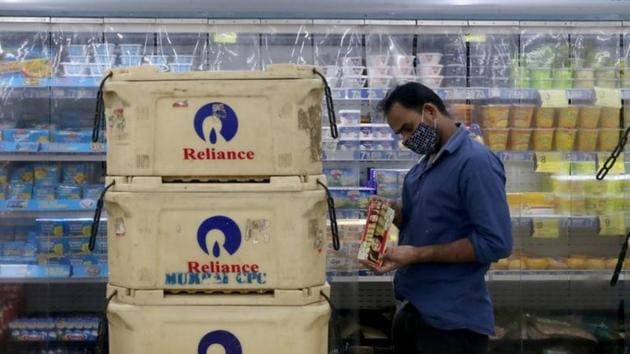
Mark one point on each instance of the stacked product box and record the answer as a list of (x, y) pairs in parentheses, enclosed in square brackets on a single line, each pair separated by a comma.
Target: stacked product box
[(387, 183), (214, 203)]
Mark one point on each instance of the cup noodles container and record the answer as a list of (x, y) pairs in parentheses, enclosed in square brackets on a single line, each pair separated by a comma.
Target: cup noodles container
[(565, 139), (374, 240), (521, 115), (544, 117), (349, 116), (403, 60), (213, 123), (352, 61), (494, 116), (519, 139), (608, 139), (353, 70), (589, 117), (216, 236), (379, 70), (147, 322), (432, 81), (429, 58), (462, 112), (542, 139), (610, 118), (586, 139), (378, 60), (496, 139), (430, 70), (568, 117)]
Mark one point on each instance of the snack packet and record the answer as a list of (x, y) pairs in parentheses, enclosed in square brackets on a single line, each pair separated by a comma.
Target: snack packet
[(374, 240)]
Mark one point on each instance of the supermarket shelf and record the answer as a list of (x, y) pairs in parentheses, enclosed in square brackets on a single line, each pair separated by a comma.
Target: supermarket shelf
[(465, 93), (507, 276), (52, 151), (44, 208), (19, 82), (44, 280), (530, 156), (393, 156)]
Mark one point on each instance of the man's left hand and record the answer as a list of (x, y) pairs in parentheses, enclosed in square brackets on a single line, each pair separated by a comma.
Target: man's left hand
[(395, 258)]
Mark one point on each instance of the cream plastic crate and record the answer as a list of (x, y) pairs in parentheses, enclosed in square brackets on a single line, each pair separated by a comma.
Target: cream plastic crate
[(216, 236), (156, 324), (214, 123)]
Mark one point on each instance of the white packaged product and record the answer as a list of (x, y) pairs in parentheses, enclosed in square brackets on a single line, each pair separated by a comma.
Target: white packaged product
[(216, 236), (282, 322), (214, 123)]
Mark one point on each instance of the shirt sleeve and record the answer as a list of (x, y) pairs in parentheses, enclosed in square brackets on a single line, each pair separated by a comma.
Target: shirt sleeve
[(482, 186)]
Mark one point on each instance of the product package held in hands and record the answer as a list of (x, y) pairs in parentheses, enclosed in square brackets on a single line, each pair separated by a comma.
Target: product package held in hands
[(374, 240)]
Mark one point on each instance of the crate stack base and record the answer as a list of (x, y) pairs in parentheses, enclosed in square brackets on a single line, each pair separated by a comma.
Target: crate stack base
[(216, 212)]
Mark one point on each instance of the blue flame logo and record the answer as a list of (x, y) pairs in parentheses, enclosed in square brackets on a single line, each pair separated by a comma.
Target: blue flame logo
[(228, 227), (227, 340), (224, 114)]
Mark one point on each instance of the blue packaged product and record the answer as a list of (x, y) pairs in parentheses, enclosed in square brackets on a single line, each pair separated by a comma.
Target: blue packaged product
[(46, 173), (22, 174), (44, 192), (71, 137), (77, 227), (352, 198), (349, 132), (3, 192), (20, 191), (384, 176), (4, 174), (50, 227), (92, 191), (341, 177), (348, 145), (68, 191), (26, 135), (79, 245), (390, 191), (75, 174), (54, 246)]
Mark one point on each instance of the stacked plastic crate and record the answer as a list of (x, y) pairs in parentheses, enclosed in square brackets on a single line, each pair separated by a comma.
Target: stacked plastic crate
[(216, 209)]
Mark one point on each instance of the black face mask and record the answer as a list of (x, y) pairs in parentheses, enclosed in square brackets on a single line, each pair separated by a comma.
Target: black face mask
[(423, 140)]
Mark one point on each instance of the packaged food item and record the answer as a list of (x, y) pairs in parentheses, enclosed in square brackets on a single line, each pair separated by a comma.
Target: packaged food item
[(496, 139), (543, 139), (374, 240), (75, 173), (20, 191), (50, 227), (521, 115), (462, 112), (537, 263), (22, 174), (610, 118), (68, 191), (77, 227), (557, 263), (93, 191), (586, 139), (544, 117), (519, 139), (337, 177), (45, 173), (589, 117), (25, 135), (389, 191), (349, 116), (494, 116), (44, 192), (574, 205), (608, 139), (568, 117), (565, 139), (3, 192), (349, 132), (69, 136), (352, 197), (4, 174)]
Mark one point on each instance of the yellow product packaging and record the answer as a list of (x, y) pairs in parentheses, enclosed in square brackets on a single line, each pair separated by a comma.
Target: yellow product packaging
[(374, 241)]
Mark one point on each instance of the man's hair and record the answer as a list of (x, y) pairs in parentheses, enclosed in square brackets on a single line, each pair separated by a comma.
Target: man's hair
[(412, 95)]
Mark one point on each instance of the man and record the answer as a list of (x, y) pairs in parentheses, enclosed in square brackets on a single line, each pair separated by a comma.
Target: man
[(454, 221)]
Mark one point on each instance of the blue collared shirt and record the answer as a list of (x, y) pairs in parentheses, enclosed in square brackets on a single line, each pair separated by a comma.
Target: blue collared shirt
[(460, 195)]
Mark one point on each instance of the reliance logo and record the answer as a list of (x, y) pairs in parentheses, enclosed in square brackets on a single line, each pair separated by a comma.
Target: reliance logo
[(224, 115), (225, 339)]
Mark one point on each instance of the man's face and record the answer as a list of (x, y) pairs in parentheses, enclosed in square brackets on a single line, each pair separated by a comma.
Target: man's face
[(404, 121)]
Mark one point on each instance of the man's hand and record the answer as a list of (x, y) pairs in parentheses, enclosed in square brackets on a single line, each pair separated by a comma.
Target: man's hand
[(394, 205), (397, 257)]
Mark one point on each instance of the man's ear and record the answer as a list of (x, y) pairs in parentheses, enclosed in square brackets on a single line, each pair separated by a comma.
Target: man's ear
[(431, 110)]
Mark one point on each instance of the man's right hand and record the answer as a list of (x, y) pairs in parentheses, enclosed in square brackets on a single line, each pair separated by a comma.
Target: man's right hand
[(394, 205)]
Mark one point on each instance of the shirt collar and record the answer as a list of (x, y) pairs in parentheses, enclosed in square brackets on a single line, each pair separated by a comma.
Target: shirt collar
[(456, 140)]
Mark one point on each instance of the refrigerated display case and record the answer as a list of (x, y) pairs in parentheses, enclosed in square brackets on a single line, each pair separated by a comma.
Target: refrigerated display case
[(548, 98)]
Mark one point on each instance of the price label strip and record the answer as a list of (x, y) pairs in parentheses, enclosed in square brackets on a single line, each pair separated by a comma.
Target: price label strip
[(552, 162), (553, 98), (546, 228), (606, 97), (619, 168), (612, 225)]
